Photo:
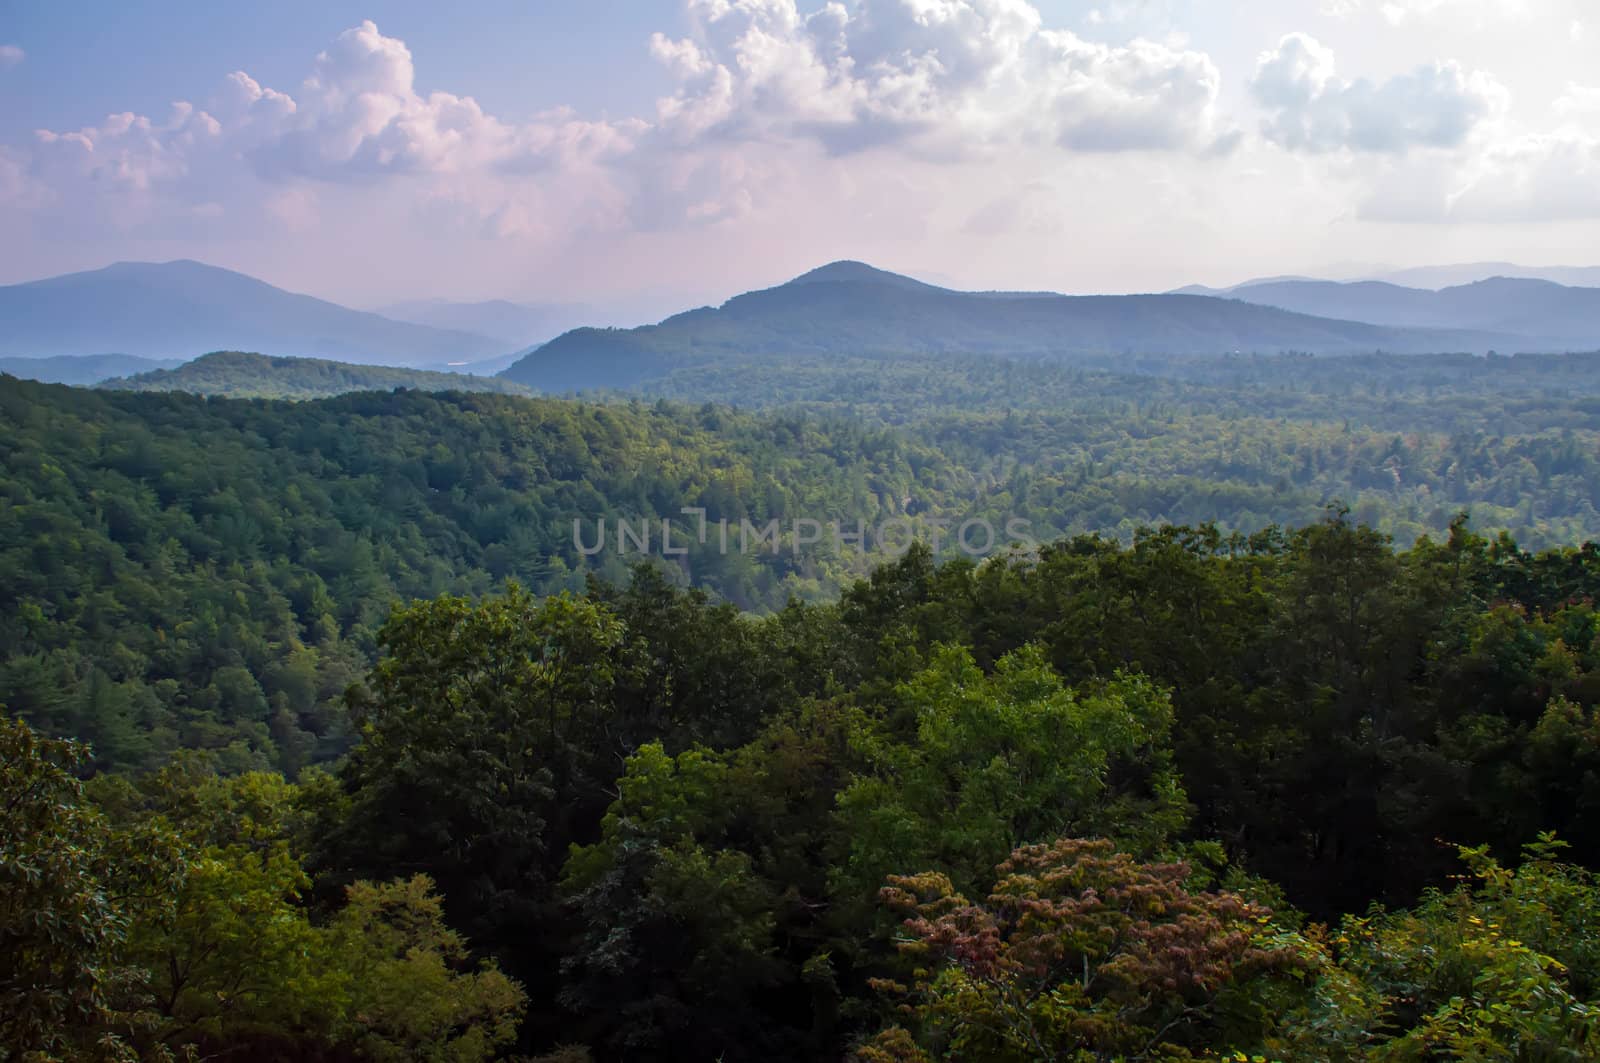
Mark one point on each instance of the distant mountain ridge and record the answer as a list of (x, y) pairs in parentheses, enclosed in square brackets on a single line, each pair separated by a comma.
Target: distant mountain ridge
[(241, 375), (82, 369), (1542, 314), (183, 309), (850, 308), (1427, 277), (1452, 276)]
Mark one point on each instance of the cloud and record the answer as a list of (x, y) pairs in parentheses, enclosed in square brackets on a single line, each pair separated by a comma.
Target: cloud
[(761, 90), (11, 55), (359, 116), (1536, 178), (1579, 102), (1399, 12), (1402, 12), (955, 129), (356, 120), (1312, 109), (939, 77)]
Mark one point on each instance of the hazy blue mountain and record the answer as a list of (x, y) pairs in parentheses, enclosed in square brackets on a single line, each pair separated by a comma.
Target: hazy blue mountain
[(82, 368), (849, 308), (182, 309), (1470, 272), (513, 324), (240, 375), (1542, 314), (1429, 277), (1201, 289)]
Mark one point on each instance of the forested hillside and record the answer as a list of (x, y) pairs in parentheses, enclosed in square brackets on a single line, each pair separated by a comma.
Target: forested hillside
[(236, 374), (210, 573)]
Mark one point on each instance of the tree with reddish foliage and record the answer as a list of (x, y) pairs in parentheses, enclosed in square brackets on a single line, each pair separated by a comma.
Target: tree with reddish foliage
[(1084, 953)]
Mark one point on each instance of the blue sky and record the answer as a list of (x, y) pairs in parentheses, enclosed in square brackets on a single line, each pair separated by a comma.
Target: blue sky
[(653, 153), (88, 59)]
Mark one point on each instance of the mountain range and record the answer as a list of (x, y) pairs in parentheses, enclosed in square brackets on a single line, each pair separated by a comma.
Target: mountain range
[(1434, 277), (177, 310), (852, 308), (183, 309), (1541, 313)]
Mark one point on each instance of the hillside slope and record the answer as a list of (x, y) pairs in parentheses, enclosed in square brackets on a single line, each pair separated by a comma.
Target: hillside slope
[(240, 375)]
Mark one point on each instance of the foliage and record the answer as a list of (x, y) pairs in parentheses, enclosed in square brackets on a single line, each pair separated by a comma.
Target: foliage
[(166, 919), (1506, 966), (71, 886), (1083, 953), (985, 761)]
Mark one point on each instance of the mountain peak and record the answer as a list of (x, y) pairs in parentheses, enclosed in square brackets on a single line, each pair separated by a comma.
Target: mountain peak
[(173, 265), (849, 271)]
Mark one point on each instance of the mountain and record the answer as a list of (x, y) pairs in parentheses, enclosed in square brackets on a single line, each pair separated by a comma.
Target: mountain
[(513, 324), (239, 375), (849, 308), (1430, 277), (1201, 289), (1542, 314), (81, 368), (182, 309), (1469, 272)]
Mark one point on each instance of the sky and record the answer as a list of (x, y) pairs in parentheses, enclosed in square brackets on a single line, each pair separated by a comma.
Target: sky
[(654, 154)]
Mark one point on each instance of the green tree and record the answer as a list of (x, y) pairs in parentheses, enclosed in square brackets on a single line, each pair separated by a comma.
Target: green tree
[(667, 924), (71, 886), (969, 765), (1504, 967)]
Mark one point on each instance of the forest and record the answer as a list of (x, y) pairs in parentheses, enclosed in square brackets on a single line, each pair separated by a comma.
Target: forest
[(1295, 795), (324, 740)]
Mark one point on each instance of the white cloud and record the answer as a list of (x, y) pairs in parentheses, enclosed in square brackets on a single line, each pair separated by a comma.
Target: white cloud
[(940, 77), (1403, 12), (11, 55), (1537, 178), (1398, 12), (1312, 109), (1579, 102), (761, 89)]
